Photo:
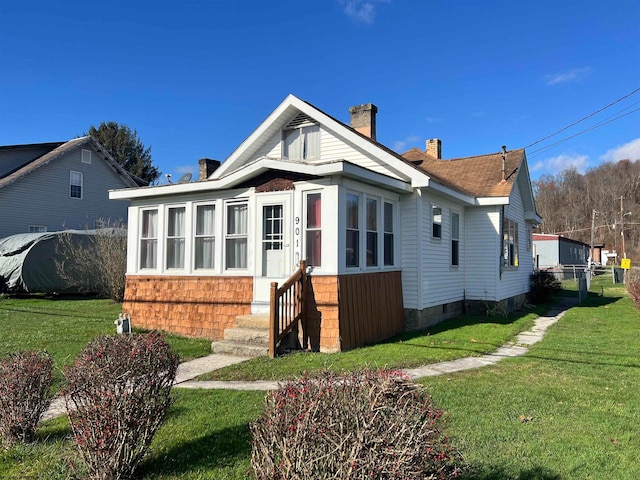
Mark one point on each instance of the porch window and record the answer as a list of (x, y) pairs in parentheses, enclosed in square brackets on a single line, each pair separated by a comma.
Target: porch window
[(436, 214), (510, 239), (175, 237), (236, 236), (313, 234), (353, 232), (388, 234), (455, 239), (149, 239), (372, 232), (205, 240), (75, 184), (301, 143)]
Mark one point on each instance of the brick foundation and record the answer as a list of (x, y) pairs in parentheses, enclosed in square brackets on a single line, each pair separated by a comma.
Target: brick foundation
[(190, 306)]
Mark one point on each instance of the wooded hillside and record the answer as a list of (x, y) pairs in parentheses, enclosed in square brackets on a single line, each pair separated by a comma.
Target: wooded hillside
[(566, 203)]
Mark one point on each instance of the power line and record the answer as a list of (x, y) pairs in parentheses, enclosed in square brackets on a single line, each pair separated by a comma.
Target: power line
[(585, 118), (593, 127)]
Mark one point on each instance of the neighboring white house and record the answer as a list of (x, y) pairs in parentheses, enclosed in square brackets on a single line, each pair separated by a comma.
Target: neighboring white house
[(556, 251), (392, 242), (48, 187)]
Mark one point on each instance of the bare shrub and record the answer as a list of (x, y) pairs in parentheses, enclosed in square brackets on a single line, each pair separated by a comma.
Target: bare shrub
[(633, 286), (367, 424), (117, 394), (95, 262), (25, 378)]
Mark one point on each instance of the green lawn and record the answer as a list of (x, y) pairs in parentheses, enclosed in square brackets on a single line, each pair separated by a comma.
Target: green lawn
[(63, 326), (566, 410)]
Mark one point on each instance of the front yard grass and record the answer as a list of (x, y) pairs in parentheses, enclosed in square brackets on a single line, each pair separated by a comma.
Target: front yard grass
[(64, 325), (470, 335), (566, 410)]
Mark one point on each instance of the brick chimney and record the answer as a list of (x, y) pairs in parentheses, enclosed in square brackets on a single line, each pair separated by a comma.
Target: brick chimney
[(363, 119), (434, 147), (207, 167)]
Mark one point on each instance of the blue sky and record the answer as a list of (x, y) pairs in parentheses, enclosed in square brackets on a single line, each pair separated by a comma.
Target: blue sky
[(195, 77)]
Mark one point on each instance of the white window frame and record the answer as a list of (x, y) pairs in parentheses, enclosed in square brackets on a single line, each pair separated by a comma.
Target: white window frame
[(150, 240), (455, 239), (76, 180), (231, 237), (175, 238), (436, 223), (211, 236), (510, 256), (315, 230), (86, 156), (372, 231), (306, 148), (354, 229), (388, 235)]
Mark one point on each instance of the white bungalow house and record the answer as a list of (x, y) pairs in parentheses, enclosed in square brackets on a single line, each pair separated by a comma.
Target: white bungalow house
[(392, 242)]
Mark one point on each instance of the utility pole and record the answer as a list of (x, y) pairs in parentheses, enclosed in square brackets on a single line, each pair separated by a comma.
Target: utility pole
[(593, 230), (624, 253)]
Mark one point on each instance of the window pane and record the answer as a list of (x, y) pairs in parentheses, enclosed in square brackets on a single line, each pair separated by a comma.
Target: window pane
[(205, 248), (175, 227), (388, 249), (149, 223), (353, 253), (148, 252), (236, 253), (388, 217), (237, 219), (314, 248), (437, 221), (352, 210), (205, 239), (372, 214), (455, 252), (314, 210), (455, 226), (372, 249), (205, 219)]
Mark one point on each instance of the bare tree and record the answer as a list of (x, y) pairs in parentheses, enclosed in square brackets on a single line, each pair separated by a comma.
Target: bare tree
[(95, 262)]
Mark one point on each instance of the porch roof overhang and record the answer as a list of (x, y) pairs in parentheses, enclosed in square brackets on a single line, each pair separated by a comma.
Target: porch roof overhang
[(327, 169)]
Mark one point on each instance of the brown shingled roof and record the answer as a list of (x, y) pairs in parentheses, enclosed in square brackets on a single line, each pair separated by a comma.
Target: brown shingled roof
[(479, 176)]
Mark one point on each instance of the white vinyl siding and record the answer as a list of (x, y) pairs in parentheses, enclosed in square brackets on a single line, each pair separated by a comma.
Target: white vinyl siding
[(482, 260), (411, 239)]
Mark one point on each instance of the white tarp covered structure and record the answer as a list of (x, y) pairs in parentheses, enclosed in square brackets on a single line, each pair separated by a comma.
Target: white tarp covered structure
[(28, 262)]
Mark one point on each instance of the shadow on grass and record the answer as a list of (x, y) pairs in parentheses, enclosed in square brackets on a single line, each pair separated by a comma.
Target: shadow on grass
[(500, 473), (219, 449)]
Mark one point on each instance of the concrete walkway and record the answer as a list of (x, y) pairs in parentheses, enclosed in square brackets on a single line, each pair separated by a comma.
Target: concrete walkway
[(190, 370)]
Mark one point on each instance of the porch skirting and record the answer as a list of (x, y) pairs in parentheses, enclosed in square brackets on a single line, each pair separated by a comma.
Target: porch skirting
[(344, 311), (192, 306)]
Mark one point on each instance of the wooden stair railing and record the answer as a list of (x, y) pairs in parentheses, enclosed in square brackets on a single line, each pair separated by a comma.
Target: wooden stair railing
[(287, 307)]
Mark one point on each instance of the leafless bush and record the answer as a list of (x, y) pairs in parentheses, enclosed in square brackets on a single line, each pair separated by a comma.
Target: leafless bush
[(95, 262), (117, 394), (367, 424), (25, 378)]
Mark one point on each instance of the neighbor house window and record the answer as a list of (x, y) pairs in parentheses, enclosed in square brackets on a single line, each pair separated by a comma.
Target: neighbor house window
[(86, 156), (353, 232), (205, 240), (37, 229), (301, 143), (313, 234), (149, 239), (510, 239), (236, 235), (388, 234), (75, 184), (175, 237), (372, 232), (436, 215), (455, 239)]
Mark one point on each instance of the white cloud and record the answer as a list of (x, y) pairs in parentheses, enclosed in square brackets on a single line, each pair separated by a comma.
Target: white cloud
[(362, 11), (630, 151), (555, 165), (569, 76), (401, 145)]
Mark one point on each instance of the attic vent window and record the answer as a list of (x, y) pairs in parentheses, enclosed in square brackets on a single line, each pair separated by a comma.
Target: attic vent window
[(301, 143), (86, 156)]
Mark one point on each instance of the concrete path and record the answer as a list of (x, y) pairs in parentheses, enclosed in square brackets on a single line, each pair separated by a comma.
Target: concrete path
[(188, 371)]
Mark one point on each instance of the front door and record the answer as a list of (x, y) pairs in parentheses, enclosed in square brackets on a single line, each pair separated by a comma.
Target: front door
[(274, 261)]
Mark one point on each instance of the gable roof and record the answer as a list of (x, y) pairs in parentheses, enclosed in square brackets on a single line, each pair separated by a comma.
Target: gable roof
[(37, 155)]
